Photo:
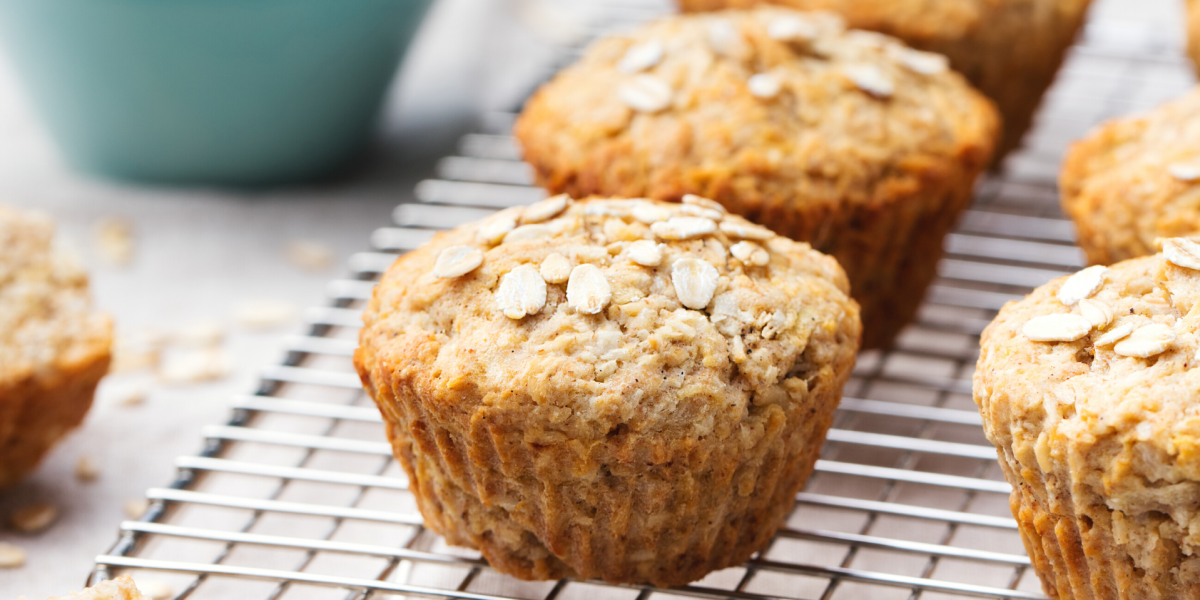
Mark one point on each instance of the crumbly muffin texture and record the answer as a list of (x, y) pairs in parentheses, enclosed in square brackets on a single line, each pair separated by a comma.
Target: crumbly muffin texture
[(625, 389), (848, 140), (1088, 389), (121, 588), (1134, 180), (53, 347), (1009, 49)]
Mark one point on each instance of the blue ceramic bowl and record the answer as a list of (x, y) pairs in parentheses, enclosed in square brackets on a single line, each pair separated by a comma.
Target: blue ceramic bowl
[(209, 91)]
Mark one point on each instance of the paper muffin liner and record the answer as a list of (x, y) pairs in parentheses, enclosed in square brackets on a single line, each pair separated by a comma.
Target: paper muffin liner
[(631, 511)]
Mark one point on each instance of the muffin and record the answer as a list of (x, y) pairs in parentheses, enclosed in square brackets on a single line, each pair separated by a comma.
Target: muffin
[(844, 139), (121, 588), (1008, 49), (623, 389), (55, 347), (1134, 180), (1088, 389)]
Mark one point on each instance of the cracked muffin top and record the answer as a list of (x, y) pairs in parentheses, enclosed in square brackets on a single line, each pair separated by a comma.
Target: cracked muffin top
[(1100, 369), (593, 314), (751, 106), (1135, 179), (46, 319)]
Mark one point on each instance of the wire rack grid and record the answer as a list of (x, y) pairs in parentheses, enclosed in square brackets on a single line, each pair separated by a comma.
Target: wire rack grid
[(298, 495)]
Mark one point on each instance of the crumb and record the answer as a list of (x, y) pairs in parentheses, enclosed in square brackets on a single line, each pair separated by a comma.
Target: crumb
[(155, 589), (86, 469), (207, 333), (11, 556), (34, 518), (194, 366), (114, 240), (310, 255), (264, 314), (135, 507)]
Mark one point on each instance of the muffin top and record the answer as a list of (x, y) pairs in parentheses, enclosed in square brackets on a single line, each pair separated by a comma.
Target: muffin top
[(46, 320), (1103, 365), (753, 104), (583, 316), (1136, 179)]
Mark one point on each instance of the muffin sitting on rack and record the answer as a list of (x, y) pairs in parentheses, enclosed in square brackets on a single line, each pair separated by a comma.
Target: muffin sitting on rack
[(1009, 49), (622, 389), (121, 588), (54, 347), (1088, 388), (1134, 180), (848, 140)]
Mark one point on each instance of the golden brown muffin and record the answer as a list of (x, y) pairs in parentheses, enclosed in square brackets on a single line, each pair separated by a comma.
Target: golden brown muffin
[(121, 588), (1008, 49), (53, 347), (1135, 179), (1088, 388), (847, 140), (622, 389)]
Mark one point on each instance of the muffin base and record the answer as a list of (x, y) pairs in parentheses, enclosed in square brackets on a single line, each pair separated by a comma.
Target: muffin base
[(35, 413), (534, 515)]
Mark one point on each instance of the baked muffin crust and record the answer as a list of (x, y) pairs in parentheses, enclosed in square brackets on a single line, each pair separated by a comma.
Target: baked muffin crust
[(121, 588), (1098, 430), (1009, 49), (845, 139), (53, 347), (639, 404), (1135, 179)]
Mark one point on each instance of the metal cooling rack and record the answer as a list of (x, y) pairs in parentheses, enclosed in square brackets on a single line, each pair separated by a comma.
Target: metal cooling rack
[(298, 495)]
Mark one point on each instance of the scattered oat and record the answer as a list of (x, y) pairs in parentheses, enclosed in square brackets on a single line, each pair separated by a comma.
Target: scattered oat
[(135, 507), (1182, 252), (649, 213), (924, 63), (1097, 313), (870, 79), (545, 209), (114, 240), (1185, 171), (33, 518), (1082, 285), (127, 359), (792, 29), (764, 85), (725, 39), (494, 229), (194, 366), (310, 255), (691, 210), (1056, 328), (263, 315), (750, 253), (527, 232), (203, 333), (555, 268), (11, 556), (154, 589), (683, 228), (522, 292), (588, 290), (645, 93), (645, 253), (130, 395), (641, 57), (1146, 341), (457, 260), (746, 231), (695, 282), (86, 469), (1115, 334), (701, 201)]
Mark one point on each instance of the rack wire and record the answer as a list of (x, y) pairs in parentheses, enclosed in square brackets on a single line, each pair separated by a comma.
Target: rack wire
[(298, 495)]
